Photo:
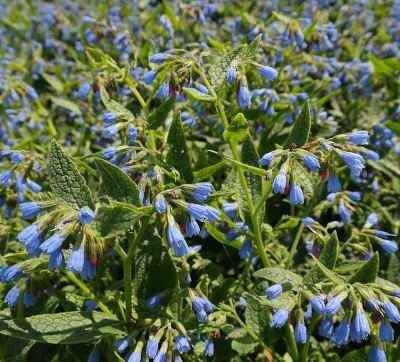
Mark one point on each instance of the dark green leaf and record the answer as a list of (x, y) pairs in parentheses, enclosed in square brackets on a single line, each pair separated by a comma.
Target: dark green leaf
[(117, 184), (178, 153), (111, 221), (66, 182), (301, 128), (64, 103), (327, 272), (154, 270), (160, 114), (393, 271), (244, 345), (368, 272), (62, 328), (359, 355), (220, 237)]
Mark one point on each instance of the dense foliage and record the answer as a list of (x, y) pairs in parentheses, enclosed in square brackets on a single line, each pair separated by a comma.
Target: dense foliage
[(194, 180)]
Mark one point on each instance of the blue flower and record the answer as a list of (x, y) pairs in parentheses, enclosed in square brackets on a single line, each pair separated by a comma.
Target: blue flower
[(279, 183), (308, 313), (29, 234), (376, 354), (202, 89), (122, 344), (132, 132), (392, 312), (279, 318), (244, 97), (231, 75), (372, 219), (163, 91), (182, 344), (199, 212), (202, 316), (389, 246), (30, 209), (300, 333), (318, 305), (90, 305), (202, 191), (296, 194), (56, 260), (355, 196), (76, 260), (135, 356), (86, 215), (10, 273), (110, 131), (332, 307), (209, 348), (274, 291), (326, 328), (344, 213), (312, 162), (88, 270), (342, 333), (94, 357), (386, 333), (160, 204), (109, 117), (212, 214), (177, 241), (153, 301), (29, 299), (334, 184), (354, 162), (53, 243), (16, 157), (149, 76), (359, 329), (245, 250), (109, 152), (34, 186), (268, 72), (158, 58), (191, 227), (31, 92), (307, 221), (359, 137), (12, 296), (230, 210), (83, 91), (266, 159), (383, 234), (152, 347)]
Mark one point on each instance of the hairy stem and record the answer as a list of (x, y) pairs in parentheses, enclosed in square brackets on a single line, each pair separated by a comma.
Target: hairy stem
[(294, 245)]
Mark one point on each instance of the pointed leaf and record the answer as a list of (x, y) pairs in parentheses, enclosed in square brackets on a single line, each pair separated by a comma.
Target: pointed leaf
[(279, 275), (64, 103), (368, 272), (237, 129), (160, 114), (117, 184), (301, 129), (197, 95), (178, 153), (115, 107), (66, 182), (112, 221), (327, 272)]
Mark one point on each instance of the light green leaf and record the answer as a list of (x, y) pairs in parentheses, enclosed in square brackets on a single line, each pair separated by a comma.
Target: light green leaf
[(207, 172), (112, 221), (199, 96), (220, 237), (115, 107), (178, 153), (368, 272), (393, 269), (244, 345), (64, 103), (237, 129), (117, 184), (301, 128), (62, 328), (327, 272), (279, 275), (53, 81), (66, 182)]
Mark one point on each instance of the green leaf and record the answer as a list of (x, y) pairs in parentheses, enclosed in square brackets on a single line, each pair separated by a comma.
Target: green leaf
[(279, 275), (66, 182), (286, 300), (328, 258), (115, 107), (154, 270), (327, 272), (393, 269), (178, 153), (358, 355), (199, 96), (117, 184), (62, 328), (244, 345), (305, 179), (385, 166), (158, 116), (237, 129), (380, 67), (64, 103), (207, 172), (368, 272), (53, 81), (301, 128), (242, 54), (220, 237), (112, 221)]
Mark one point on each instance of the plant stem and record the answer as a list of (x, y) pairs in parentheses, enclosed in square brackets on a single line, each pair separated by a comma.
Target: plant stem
[(304, 352), (291, 342), (136, 93), (82, 286), (294, 245)]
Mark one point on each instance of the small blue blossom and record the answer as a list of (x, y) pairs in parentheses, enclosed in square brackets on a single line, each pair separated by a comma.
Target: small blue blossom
[(12, 296), (268, 72), (359, 137), (334, 184), (300, 333), (354, 162), (389, 246), (244, 97), (274, 291), (266, 159), (202, 191), (177, 241), (318, 305), (386, 333), (296, 194), (149, 77), (376, 354), (246, 250), (311, 162), (86, 215), (342, 334), (392, 312), (209, 348), (279, 183), (231, 75), (359, 329), (30, 209), (280, 317)]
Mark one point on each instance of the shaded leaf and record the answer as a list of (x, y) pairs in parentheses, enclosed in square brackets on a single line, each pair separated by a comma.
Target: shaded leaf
[(368, 272), (112, 221), (237, 129), (64, 103), (158, 116), (279, 275), (114, 106), (301, 128)]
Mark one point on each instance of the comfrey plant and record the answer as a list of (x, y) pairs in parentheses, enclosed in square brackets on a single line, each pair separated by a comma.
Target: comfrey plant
[(221, 183)]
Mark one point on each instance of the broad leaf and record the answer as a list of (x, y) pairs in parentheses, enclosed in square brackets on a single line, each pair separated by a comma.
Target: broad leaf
[(62, 328), (237, 129), (54, 82), (115, 107), (112, 221), (66, 182), (178, 153), (244, 345), (117, 184), (279, 275), (327, 272), (64, 103), (199, 96), (301, 128), (368, 272), (160, 114), (206, 172)]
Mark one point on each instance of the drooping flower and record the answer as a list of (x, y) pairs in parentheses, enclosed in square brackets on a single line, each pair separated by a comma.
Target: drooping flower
[(160, 205), (202, 191), (296, 194), (311, 162), (300, 333), (12, 296), (266, 159), (354, 162), (332, 307), (268, 72), (53, 243), (359, 329), (212, 214), (386, 333), (76, 260), (392, 312), (318, 305), (209, 348), (342, 333), (163, 91), (359, 137), (86, 215), (182, 344), (231, 75), (334, 184), (199, 212), (326, 328), (122, 344), (279, 183), (149, 76), (280, 317), (344, 213), (389, 246), (246, 250), (177, 241), (274, 291), (30, 209), (376, 354), (244, 97)]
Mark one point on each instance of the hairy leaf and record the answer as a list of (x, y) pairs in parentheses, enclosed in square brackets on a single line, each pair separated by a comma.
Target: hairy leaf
[(160, 114), (301, 128), (368, 272)]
